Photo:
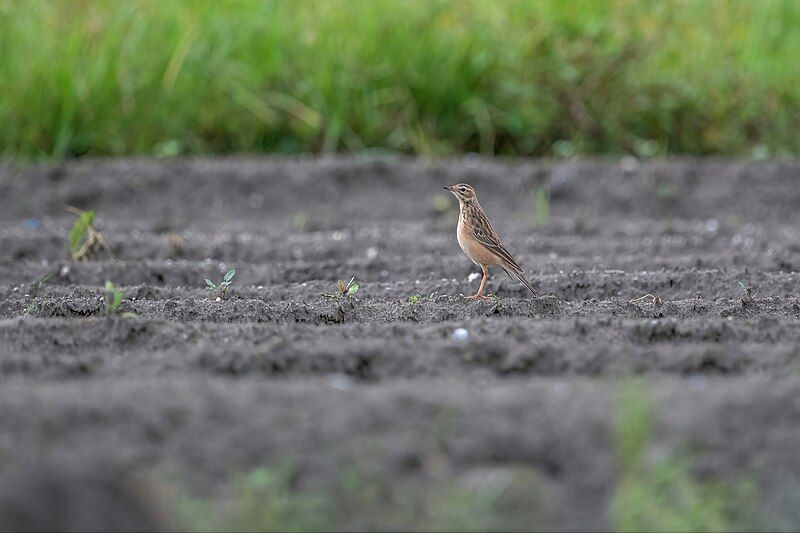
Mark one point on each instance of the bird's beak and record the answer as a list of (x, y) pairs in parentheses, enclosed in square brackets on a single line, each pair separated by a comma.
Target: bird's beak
[(450, 188)]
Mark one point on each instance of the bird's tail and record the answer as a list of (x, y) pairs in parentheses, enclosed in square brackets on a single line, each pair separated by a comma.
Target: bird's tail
[(520, 276)]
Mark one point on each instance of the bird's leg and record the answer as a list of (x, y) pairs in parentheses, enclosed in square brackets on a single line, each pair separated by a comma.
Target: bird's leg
[(479, 295)]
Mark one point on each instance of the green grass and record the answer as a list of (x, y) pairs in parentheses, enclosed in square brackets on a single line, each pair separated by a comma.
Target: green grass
[(406, 76), (269, 499), (541, 205), (657, 489), (662, 494)]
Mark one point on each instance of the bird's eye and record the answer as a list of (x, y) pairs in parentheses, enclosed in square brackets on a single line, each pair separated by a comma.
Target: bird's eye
[(463, 189)]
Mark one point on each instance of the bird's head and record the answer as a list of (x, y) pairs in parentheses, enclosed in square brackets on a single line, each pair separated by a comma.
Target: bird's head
[(463, 192)]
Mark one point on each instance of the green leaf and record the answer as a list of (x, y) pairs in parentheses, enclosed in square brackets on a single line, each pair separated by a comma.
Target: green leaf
[(229, 275), (353, 289), (79, 229), (44, 279), (117, 300), (542, 201), (109, 286), (210, 284)]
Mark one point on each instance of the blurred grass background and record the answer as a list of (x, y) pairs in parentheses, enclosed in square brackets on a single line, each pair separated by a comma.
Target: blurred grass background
[(408, 76)]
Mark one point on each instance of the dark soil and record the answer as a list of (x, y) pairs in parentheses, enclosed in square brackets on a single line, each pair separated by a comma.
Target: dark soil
[(118, 413)]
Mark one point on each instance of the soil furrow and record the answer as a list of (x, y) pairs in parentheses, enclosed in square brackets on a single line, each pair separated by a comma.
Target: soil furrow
[(560, 431), (549, 408)]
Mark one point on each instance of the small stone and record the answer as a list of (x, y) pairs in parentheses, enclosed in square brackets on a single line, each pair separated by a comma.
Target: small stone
[(340, 382), (629, 164), (460, 335), (697, 382)]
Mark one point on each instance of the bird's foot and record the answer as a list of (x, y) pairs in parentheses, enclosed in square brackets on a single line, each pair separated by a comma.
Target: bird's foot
[(477, 297)]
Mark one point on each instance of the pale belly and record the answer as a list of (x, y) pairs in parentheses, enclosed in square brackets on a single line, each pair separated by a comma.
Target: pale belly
[(479, 255)]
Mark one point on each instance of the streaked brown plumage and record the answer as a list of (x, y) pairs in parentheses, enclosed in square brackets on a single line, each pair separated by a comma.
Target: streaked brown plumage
[(480, 241)]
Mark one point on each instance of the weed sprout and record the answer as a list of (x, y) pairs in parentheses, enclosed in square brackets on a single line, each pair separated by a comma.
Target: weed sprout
[(747, 299), (344, 289), (541, 203), (222, 288), (114, 297), (83, 237)]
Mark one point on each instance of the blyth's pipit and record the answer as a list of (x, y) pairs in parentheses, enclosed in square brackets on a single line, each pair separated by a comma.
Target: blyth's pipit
[(480, 241)]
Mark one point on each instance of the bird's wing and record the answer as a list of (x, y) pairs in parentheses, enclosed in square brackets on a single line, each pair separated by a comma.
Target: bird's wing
[(485, 234)]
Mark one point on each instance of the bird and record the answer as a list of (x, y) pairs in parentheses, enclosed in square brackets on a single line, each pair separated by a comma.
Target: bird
[(480, 241)]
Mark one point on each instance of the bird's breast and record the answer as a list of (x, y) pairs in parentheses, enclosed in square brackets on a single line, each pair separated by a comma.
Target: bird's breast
[(471, 247), (461, 234)]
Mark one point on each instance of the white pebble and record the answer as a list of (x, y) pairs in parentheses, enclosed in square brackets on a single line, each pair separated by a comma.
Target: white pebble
[(629, 164), (697, 382), (339, 382), (460, 335)]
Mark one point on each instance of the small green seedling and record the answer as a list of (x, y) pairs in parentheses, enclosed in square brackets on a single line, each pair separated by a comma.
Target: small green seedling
[(344, 289), (667, 192), (541, 202), (441, 203), (83, 237), (415, 299), (40, 283), (747, 299), (114, 297), (223, 285)]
